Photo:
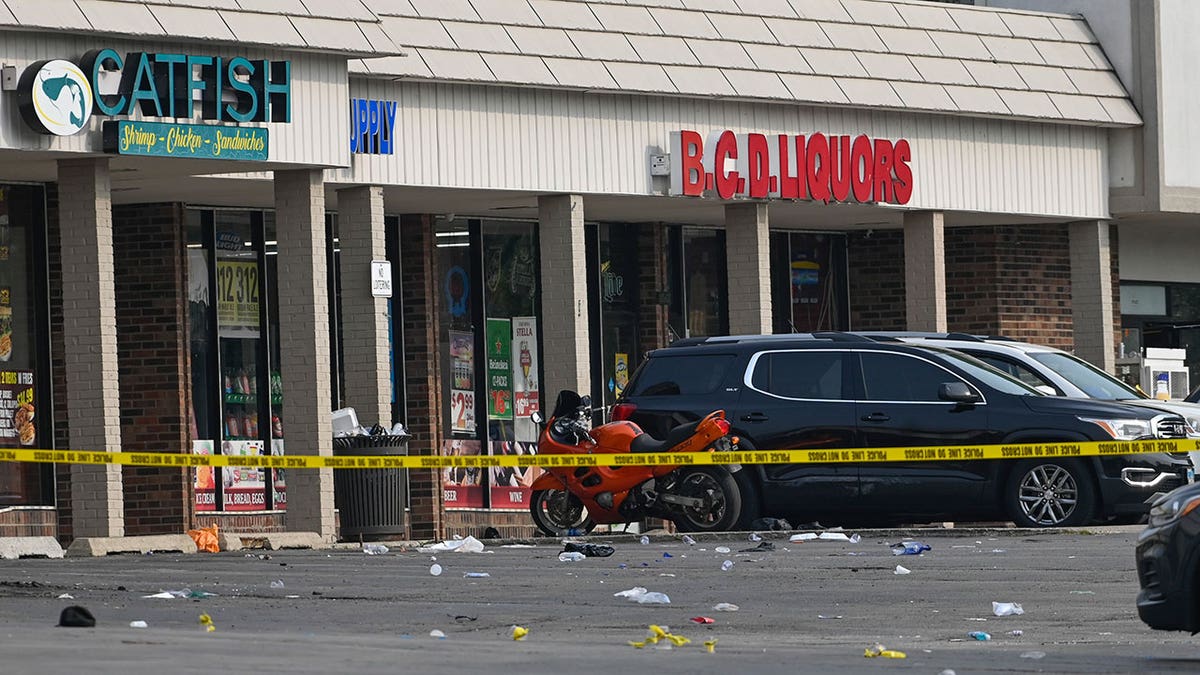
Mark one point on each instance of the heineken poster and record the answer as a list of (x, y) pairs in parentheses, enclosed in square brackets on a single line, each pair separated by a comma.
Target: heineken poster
[(498, 336)]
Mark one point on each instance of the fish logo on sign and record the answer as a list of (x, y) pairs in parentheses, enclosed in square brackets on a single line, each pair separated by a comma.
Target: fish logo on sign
[(56, 97)]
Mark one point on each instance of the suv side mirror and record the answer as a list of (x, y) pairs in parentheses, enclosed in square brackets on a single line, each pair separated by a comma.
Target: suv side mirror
[(958, 392)]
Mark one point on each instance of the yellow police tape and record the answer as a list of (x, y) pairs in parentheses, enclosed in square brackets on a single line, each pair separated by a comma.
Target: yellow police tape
[(824, 456)]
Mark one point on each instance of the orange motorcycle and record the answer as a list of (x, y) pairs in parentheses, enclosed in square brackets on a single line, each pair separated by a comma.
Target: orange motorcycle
[(573, 500)]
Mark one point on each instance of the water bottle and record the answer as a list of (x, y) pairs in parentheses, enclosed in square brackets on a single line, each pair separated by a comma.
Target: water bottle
[(754, 537), (727, 565), (688, 540), (979, 635), (645, 540), (570, 556), (374, 549)]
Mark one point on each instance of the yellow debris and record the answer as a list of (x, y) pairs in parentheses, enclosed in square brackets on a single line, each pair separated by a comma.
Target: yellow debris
[(519, 633), (207, 622), (710, 645), (883, 652)]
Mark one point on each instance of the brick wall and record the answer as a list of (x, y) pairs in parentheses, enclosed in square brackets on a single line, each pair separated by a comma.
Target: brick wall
[(876, 280), (1012, 280), (58, 374), (151, 291), (510, 524), (419, 293), (1116, 284)]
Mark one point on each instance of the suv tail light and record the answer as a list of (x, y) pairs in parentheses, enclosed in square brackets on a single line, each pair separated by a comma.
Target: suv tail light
[(623, 411)]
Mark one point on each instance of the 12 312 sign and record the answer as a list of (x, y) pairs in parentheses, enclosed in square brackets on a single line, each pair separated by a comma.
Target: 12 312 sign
[(462, 410), (237, 292)]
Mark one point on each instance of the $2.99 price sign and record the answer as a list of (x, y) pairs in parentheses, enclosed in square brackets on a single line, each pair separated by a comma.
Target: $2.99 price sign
[(237, 292), (462, 410)]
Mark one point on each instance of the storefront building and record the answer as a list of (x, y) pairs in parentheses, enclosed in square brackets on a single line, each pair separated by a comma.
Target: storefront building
[(558, 187)]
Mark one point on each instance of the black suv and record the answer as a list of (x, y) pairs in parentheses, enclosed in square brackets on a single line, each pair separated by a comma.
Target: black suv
[(842, 390)]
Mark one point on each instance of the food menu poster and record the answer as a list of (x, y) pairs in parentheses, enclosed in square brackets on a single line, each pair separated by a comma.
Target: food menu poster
[(462, 486), (17, 423), (204, 482), (511, 486)]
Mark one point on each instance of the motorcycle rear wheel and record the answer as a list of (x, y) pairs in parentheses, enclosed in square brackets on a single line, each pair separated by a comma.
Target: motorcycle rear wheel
[(558, 513), (721, 494)]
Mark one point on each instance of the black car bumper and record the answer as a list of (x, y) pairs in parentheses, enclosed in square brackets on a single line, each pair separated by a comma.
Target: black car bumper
[(1129, 484), (1167, 575)]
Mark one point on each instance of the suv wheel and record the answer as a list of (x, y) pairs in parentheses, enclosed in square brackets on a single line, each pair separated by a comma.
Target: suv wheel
[(1050, 493), (558, 513), (721, 495)]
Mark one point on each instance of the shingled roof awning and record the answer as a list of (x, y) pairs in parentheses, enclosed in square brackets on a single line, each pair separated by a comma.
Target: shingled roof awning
[(344, 27), (875, 54)]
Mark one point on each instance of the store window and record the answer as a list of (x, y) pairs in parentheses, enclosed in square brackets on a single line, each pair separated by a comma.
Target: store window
[(237, 383), (615, 290), (490, 340), (25, 414), (808, 282), (696, 266)]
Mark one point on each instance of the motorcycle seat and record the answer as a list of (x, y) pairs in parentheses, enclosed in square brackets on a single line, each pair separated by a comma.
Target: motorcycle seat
[(647, 443)]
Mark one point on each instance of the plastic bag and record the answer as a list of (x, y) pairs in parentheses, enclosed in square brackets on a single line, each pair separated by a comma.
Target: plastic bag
[(206, 539)]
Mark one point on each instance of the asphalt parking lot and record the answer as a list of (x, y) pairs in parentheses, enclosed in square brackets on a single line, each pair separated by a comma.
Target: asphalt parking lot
[(812, 607)]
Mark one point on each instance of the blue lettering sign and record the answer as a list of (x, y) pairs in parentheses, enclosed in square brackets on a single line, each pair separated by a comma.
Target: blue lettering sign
[(372, 126)]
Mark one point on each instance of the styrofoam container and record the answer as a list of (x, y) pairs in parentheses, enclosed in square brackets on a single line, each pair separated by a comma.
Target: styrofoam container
[(345, 421)]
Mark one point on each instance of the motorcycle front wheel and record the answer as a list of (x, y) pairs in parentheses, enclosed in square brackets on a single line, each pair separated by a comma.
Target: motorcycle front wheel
[(558, 513), (720, 494)]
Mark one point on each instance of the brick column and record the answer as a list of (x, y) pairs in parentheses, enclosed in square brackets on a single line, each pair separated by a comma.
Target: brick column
[(1092, 294), (565, 335), (419, 289), (304, 345), (748, 261), (652, 281), (364, 317), (925, 271), (90, 343)]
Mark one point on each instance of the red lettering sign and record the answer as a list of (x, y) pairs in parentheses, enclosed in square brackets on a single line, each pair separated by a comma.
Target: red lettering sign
[(840, 168)]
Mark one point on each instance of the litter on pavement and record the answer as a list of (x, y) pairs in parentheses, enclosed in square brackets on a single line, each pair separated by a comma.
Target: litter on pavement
[(910, 548), (658, 634), (437, 634), (138, 624), (589, 550), (476, 575), (722, 549), (467, 545), (207, 622), (644, 597), (1033, 655), (979, 635), (571, 556), (374, 549), (435, 570), (702, 620), (1006, 608), (879, 651), (900, 569), (725, 607), (76, 617), (518, 633)]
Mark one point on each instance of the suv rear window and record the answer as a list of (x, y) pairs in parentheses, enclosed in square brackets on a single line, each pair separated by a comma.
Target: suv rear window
[(680, 375)]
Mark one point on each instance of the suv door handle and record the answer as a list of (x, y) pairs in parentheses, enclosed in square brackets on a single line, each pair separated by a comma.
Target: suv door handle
[(754, 417), (875, 417)]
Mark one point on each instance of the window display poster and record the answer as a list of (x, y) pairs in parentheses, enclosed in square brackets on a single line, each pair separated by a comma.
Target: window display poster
[(237, 293), (204, 482), (279, 486), (17, 425), (462, 373), (462, 486), (510, 486), (621, 372), (243, 487), (526, 399), (498, 337)]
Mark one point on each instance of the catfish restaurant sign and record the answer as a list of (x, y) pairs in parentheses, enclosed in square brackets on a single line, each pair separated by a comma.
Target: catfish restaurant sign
[(817, 167), (201, 141), (59, 97)]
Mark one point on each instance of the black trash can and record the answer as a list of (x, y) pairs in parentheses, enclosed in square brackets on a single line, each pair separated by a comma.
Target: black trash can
[(371, 502)]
